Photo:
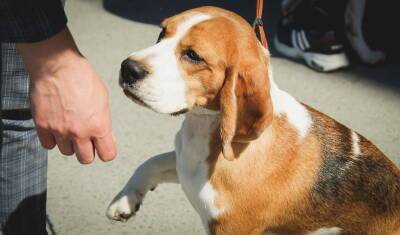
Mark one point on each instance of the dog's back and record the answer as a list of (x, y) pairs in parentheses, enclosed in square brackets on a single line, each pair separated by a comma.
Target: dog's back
[(357, 183)]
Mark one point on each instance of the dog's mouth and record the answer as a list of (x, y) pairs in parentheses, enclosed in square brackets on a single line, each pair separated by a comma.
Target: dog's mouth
[(135, 98), (139, 101), (182, 111)]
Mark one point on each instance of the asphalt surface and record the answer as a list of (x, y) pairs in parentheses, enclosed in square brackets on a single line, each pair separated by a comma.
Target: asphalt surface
[(367, 99)]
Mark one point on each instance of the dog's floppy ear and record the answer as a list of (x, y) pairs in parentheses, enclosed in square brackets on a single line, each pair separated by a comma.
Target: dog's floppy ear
[(245, 103)]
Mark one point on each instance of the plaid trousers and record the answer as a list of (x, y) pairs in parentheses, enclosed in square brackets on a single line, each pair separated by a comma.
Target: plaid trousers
[(23, 162)]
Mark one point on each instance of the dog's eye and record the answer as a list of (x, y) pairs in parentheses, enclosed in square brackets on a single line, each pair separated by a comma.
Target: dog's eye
[(192, 56), (161, 36)]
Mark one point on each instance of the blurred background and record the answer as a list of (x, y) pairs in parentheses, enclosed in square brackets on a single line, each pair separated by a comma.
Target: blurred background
[(362, 96)]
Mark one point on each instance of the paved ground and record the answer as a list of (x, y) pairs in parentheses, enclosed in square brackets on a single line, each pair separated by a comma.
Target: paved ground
[(366, 99)]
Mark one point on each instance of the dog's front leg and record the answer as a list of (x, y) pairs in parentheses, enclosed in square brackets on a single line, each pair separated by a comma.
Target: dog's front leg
[(354, 15), (156, 170)]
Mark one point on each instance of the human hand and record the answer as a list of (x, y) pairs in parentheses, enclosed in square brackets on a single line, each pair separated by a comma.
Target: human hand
[(68, 99)]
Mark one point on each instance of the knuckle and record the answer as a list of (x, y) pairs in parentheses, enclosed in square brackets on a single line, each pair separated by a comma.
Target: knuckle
[(98, 126), (57, 130), (75, 133), (41, 124)]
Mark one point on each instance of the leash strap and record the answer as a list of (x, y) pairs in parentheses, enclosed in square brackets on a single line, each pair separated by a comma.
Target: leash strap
[(258, 23)]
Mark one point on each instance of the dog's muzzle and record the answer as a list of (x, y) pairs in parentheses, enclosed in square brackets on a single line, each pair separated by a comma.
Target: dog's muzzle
[(131, 72)]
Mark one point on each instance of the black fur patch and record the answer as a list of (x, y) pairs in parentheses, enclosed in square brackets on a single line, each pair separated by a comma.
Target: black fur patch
[(372, 180)]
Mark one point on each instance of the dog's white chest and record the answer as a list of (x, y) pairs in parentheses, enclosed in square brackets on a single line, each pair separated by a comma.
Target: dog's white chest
[(192, 150)]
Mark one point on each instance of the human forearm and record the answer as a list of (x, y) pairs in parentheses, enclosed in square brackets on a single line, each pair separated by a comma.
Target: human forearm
[(44, 57)]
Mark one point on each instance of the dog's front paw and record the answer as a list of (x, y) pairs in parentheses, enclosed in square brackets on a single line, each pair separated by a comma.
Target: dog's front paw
[(373, 57), (124, 206)]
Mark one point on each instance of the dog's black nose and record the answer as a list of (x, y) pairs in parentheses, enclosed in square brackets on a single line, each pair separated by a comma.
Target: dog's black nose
[(132, 71)]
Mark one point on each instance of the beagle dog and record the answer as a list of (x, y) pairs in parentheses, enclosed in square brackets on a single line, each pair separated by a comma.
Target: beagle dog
[(250, 158)]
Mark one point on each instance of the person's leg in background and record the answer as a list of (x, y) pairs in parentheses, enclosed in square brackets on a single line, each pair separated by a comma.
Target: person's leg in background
[(312, 30), (23, 161)]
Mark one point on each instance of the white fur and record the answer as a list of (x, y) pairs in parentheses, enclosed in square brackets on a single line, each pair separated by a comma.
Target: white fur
[(121, 207), (164, 90), (327, 231), (356, 151), (321, 231), (355, 145), (296, 113), (188, 164), (191, 146), (284, 104), (154, 171)]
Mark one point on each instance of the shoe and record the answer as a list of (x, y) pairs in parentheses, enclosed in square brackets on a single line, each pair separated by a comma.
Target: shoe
[(320, 50)]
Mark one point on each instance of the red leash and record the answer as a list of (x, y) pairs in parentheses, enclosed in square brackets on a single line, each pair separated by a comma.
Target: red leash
[(258, 23)]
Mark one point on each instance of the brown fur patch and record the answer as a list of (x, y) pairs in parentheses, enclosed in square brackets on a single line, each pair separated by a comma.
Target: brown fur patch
[(290, 186), (267, 186)]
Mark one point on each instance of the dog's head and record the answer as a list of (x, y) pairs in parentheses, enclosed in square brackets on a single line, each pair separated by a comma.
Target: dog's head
[(205, 57)]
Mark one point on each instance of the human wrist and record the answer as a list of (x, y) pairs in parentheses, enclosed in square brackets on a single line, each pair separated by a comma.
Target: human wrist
[(46, 57)]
